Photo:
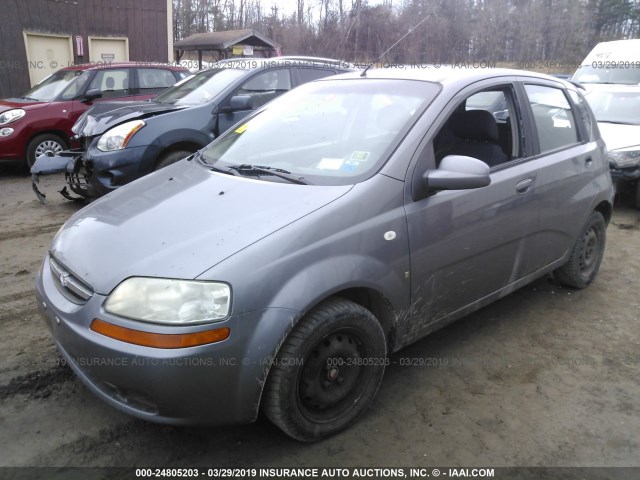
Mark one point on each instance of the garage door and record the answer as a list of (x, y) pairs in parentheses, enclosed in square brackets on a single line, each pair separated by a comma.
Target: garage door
[(46, 54), (108, 49)]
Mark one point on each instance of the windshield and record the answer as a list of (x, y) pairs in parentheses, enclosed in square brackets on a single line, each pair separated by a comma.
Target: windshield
[(49, 89), (326, 133), (615, 107), (627, 73), (201, 88)]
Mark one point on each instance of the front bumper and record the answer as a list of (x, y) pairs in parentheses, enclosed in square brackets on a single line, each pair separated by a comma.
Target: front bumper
[(46, 165), (632, 173), (624, 177), (93, 173), (13, 146), (219, 383)]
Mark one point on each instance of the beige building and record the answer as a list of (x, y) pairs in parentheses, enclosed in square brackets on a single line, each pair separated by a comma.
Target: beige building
[(43, 36)]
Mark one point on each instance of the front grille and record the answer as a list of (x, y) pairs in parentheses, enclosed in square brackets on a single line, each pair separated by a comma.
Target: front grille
[(78, 181), (68, 284), (77, 175)]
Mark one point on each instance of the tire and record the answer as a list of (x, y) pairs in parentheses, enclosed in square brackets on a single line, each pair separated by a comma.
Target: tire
[(637, 196), (46, 144), (586, 254), (168, 158), (322, 395)]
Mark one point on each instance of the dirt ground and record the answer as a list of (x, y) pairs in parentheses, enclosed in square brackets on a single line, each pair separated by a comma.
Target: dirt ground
[(545, 377)]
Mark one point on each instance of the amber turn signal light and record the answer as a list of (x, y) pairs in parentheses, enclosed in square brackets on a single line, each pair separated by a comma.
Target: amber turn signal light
[(159, 340)]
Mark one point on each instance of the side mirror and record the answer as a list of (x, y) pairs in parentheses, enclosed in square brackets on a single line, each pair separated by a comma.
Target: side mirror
[(92, 94), (239, 103), (457, 172)]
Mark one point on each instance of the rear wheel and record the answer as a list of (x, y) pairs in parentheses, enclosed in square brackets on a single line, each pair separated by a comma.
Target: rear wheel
[(171, 157), (46, 144), (327, 371), (586, 254)]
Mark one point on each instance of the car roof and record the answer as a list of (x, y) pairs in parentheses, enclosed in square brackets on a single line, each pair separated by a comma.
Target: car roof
[(105, 65), (446, 74), (614, 51), (613, 87), (253, 63)]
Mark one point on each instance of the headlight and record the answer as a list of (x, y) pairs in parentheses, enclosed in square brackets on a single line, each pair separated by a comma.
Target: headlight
[(118, 137), (11, 115), (162, 300), (625, 157)]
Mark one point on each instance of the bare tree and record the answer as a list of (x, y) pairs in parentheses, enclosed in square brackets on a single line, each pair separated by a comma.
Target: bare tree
[(455, 30)]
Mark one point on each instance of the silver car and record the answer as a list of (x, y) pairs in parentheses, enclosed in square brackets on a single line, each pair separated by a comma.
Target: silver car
[(617, 111), (278, 268)]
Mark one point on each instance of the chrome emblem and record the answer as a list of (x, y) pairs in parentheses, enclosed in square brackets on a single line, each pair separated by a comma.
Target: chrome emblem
[(63, 279)]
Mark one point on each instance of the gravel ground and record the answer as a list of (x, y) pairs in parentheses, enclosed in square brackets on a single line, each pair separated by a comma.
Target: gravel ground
[(547, 376)]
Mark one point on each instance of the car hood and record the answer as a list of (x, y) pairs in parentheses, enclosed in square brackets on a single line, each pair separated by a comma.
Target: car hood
[(178, 223), (104, 115), (11, 103), (618, 136)]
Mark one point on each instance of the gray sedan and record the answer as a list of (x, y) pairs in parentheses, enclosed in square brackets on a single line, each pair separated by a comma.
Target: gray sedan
[(276, 269)]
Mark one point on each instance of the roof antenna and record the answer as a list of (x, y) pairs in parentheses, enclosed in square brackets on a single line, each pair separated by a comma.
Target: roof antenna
[(364, 72)]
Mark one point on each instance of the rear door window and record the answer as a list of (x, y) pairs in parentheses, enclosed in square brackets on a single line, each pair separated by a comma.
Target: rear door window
[(553, 116)]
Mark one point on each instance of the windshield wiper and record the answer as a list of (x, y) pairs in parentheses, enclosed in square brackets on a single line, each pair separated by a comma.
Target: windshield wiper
[(197, 156), (258, 170), (30, 98)]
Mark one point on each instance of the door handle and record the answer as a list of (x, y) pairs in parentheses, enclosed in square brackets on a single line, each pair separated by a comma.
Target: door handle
[(588, 162), (523, 186)]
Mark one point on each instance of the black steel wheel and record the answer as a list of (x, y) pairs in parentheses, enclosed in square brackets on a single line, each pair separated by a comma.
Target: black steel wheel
[(327, 371), (586, 255)]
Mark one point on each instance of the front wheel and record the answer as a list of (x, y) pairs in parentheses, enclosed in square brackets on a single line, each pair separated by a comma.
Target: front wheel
[(171, 157), (46, 144), (586, 255), (327, 371)]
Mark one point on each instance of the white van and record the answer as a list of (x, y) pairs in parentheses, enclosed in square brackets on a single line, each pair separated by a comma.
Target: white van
[(616, 62)]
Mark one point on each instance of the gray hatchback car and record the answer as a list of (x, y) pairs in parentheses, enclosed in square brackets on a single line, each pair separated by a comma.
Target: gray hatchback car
[(278, 268)]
